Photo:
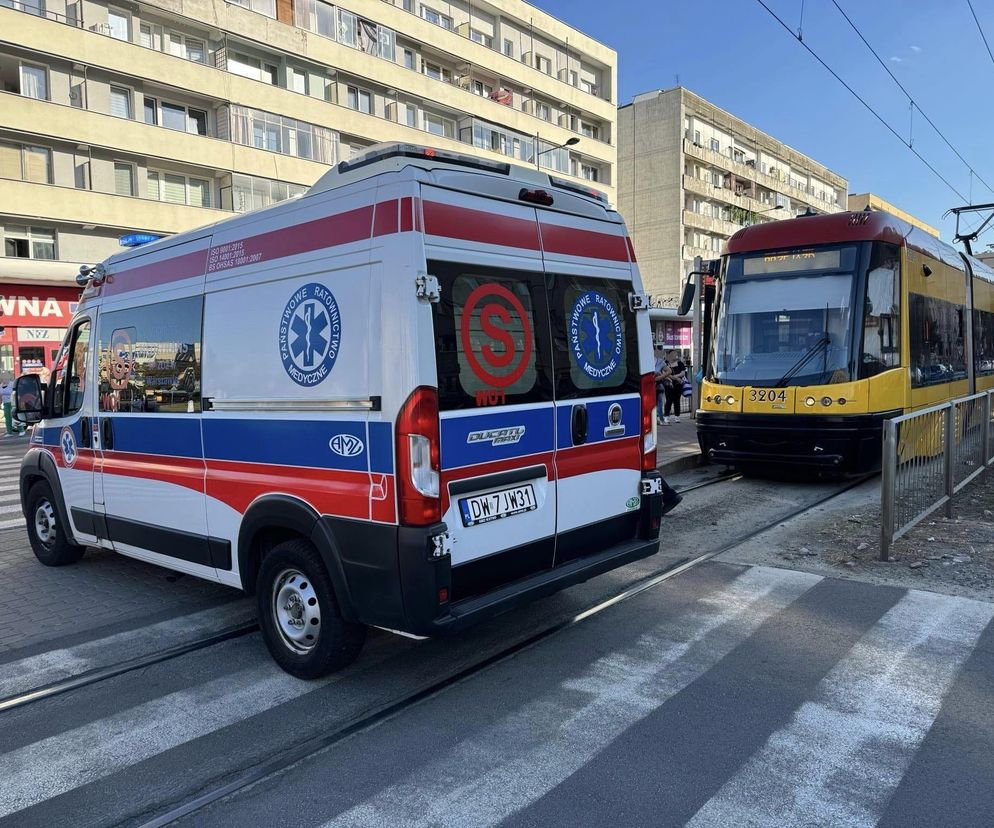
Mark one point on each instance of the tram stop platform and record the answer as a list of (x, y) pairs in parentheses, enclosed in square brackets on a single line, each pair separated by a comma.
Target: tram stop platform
[(676, 446)]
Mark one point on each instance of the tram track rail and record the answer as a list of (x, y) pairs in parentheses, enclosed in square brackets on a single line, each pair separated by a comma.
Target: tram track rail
[(319, 742)]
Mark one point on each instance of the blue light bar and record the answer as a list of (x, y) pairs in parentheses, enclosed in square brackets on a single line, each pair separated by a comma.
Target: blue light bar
[(137, 239)]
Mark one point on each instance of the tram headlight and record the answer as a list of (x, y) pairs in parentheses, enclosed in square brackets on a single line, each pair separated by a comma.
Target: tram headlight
[(826, 401), (809, 401)]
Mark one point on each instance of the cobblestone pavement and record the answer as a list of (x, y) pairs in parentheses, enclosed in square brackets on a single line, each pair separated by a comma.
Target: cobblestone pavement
[(40, 604)]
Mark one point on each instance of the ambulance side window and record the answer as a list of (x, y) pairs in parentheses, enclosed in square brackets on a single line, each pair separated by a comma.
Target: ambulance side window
[(491, 337), (150, 358), (69, 377), (594, 336)]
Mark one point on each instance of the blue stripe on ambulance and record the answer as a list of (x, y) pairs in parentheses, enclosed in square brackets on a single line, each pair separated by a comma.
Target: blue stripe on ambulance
[(458, 450), (597, 420)]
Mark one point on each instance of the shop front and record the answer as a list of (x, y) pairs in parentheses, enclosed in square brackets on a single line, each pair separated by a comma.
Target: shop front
[(672, 334), (33, 320)]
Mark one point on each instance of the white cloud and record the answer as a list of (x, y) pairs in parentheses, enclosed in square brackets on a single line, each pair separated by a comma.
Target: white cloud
[(896, 59), (916, 48)]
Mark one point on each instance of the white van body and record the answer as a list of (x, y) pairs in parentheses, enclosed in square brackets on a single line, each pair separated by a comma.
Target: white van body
[(433, 370)]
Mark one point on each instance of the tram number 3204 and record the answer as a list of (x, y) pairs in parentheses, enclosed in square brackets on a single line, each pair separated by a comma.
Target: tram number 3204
[(767, 395)]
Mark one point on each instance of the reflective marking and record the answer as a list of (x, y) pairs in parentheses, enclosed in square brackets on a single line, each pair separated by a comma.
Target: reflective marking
[(842, 755), (484, 780)]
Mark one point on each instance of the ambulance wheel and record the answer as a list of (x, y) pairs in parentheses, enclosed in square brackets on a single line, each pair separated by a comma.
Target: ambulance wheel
[(301, 624), (49, 541)]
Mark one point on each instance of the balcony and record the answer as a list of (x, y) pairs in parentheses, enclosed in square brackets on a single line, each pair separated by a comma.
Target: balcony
[(65, 204), (709, 224), (752, 173)]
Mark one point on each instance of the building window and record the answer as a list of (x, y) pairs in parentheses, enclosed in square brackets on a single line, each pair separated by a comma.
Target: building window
[(147, 36), (590, 130), (543, 64), (296, 80), (589, 172), (27, 163), (254, 127), (386, 43), (151, 107), (29, 243), (178, 189), (480, 88), (437, 125), (360, 99), (409, 115), (508, 48), (120, 102), (187, 47), (715, 145), (184, 119), (433, 70), (124, 178), (543, 111), (436, 17), (588, 87), (266, 7), (409, 59), (119, 24), (34, 81), (347, 26), (250, 192), (480, 37)]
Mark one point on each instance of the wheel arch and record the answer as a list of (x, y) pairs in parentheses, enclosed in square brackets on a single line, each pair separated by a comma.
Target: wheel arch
[(36, 466), (274, 518)]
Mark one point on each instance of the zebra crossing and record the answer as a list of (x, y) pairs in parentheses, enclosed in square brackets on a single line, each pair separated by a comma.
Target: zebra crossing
[(729, 695), (11, 451)]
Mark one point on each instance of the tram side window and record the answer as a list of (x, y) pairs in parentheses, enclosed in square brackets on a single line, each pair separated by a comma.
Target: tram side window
[(150, 358), (938, 352), (983, 342), (882, 315)]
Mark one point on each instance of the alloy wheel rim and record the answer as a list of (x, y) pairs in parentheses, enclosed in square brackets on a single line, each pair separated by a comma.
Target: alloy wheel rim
[(45, 524)]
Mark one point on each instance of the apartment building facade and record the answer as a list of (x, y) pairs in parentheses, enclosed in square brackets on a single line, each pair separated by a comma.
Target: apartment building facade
[(690, 175), (118, 117)]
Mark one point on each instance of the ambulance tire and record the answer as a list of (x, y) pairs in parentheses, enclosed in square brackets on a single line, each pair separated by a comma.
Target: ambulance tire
[(49, 539), (301, 625)]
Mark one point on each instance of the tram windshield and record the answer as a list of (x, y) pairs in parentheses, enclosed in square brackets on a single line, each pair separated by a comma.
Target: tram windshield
[(785, 318)]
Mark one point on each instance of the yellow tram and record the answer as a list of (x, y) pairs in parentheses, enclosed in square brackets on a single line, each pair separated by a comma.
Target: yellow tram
[(824, 326)]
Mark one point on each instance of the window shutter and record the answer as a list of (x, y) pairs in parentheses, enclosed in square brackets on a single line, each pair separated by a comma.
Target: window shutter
[(124, 179), (36, 165), (120, 103), (200, 192), (10, 161), (153, 185), (175, 188)]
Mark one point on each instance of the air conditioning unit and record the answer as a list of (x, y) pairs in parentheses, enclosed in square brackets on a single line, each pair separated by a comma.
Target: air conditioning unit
[(564, 120), (102, 28), (528, 106), (463, 81), (528, 57)]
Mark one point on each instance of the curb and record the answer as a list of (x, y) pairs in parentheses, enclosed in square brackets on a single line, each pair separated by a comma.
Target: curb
[(681, 463)]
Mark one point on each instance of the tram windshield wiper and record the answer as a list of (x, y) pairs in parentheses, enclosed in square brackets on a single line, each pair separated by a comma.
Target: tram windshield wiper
[(824, 342)]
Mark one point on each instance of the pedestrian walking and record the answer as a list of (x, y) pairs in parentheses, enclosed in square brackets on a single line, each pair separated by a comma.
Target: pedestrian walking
[(6, 389), (673, 387), (662, 372)]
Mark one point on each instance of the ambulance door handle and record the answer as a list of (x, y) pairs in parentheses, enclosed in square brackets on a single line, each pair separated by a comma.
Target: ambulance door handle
[(107, 434), (84, 432), (579, 424)]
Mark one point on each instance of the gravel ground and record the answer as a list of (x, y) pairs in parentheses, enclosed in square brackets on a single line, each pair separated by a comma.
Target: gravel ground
[(950, 555)]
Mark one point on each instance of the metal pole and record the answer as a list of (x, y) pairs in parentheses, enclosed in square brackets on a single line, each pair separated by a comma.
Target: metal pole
[(988, 399), (888, 488), (949, 421), (699, 346)]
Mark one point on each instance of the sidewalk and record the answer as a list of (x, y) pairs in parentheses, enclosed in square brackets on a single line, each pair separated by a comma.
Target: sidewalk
[(677, 447)]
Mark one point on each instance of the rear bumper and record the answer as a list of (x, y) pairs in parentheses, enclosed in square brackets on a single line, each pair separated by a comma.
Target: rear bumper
[(842, 444), (413, 596)]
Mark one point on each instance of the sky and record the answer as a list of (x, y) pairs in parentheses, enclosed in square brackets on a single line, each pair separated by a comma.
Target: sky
[(735, 54)]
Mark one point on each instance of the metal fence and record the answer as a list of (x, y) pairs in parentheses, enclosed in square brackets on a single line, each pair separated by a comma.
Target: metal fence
[(928, 456)]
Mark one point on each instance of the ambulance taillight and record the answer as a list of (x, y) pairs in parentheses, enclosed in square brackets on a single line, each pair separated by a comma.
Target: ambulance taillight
[(648, 422), (418, 460)]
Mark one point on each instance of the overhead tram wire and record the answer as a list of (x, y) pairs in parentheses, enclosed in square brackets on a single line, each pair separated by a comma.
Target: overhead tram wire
[(907, 94), (981, 30), (859, 98)]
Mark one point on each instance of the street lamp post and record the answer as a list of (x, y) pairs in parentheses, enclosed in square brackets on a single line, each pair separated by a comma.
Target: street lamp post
[(753, 213), (572, 142)]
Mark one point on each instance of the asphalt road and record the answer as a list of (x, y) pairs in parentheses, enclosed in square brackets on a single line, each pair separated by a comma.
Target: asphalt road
[(728, 695)]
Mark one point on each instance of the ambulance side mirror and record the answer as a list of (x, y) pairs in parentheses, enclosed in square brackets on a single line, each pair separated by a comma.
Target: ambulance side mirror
[(687, 299), (28, 404)]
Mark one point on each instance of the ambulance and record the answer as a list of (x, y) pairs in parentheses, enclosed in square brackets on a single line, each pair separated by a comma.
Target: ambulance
[(413, 398)]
